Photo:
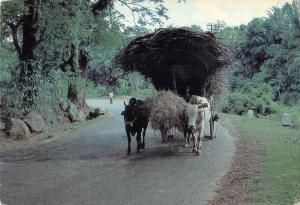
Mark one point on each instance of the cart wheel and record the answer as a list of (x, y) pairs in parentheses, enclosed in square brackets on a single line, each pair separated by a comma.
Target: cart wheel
[(211, 126)]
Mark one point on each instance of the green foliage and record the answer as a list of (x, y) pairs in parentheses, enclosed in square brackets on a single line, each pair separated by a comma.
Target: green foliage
[(196, 28), (8, 62), (63, 81), (268, 51), (134, 84), (122, 87), (64, 31), (11, 14), (12, 10), (259, 99), (254, 50), (110, 36), (93, 90), (280, 109), (233, 36), (44, 102)]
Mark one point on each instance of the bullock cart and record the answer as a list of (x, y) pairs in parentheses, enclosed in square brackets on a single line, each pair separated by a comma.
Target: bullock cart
[(177, 58)]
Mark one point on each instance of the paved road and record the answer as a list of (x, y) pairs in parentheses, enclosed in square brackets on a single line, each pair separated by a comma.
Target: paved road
[(92, 168)]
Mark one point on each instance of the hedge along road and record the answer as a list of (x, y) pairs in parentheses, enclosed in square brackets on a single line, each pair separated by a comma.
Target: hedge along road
[(92, 168)]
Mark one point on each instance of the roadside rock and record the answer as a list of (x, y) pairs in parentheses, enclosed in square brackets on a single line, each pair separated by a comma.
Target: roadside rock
[(62, 119), (18, 130), (35, 122), (75, 114), (80, 116)]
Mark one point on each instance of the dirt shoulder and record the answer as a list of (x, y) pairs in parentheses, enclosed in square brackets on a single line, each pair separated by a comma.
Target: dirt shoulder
[(247, 158), (52, 133)]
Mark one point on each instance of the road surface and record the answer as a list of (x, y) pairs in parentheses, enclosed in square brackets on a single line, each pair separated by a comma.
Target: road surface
[(91, 168)]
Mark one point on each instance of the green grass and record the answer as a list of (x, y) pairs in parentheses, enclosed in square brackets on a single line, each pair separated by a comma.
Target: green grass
[(279, 178)]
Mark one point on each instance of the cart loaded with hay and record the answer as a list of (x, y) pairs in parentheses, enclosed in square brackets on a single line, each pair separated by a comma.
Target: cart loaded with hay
[(178, 58)]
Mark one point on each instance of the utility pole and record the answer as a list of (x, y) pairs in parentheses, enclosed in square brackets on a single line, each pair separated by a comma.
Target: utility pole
[(217, 27), (213, 27), (210, 27)]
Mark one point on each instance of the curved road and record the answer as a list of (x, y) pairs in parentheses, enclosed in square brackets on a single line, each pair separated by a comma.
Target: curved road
[(92, 168)]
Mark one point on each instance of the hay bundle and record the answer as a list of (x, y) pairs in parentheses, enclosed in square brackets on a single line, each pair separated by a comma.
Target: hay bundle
[(166, 110), (194, 59)]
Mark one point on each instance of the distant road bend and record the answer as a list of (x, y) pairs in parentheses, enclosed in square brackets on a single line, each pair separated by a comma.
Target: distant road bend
[(92, 168)]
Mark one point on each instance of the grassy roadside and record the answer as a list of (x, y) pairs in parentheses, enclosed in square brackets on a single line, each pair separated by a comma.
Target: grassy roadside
[(279, 175), (51, 134)]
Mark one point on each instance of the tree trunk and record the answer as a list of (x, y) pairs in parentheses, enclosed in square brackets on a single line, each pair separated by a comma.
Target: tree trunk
[(83, 62), (29, 31), (27, 70), (78, 96)]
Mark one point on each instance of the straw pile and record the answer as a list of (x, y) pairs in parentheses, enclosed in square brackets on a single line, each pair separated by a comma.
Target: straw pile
[(195, 59), (166, 110)]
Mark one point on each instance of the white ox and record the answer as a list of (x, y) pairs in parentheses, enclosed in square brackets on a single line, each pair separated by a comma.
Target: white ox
[(198, 112)]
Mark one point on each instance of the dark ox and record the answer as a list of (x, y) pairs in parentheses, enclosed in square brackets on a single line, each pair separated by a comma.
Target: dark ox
[(136, 122)]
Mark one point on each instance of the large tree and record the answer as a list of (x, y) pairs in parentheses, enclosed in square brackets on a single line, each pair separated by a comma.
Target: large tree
[(52, 34), (268, 52)]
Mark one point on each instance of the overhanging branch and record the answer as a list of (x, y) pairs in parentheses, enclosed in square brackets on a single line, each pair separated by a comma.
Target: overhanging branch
[(130, 8)]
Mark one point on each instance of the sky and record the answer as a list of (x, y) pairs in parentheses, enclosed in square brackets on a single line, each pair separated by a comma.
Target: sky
[(201, 12)]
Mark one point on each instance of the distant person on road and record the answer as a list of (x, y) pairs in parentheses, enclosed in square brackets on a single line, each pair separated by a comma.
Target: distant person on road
[(111, 95)]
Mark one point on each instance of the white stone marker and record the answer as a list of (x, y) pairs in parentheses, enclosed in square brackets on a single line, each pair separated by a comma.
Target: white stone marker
[(286, 119), (250, 114)]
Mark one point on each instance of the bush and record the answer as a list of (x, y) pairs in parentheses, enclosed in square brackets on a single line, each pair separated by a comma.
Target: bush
[(8, 62), (46, 101), (134, 84), (259, 99), (293, 110), (63, 83), (93, 90), (122, 87), (234, 103)]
